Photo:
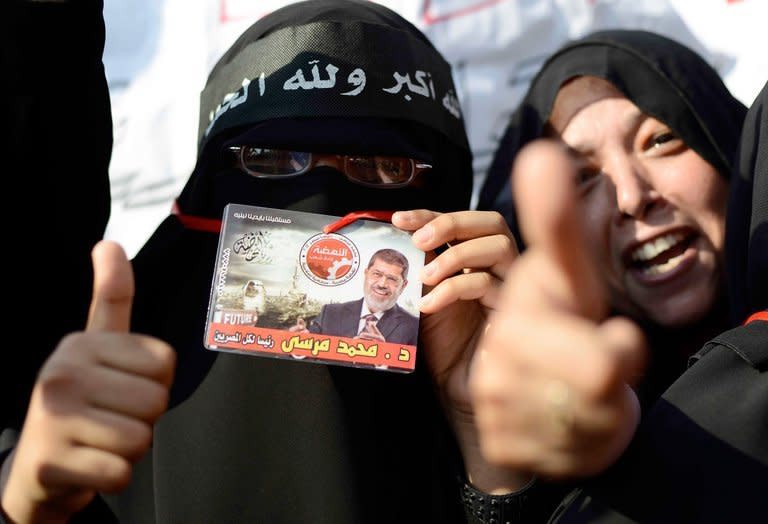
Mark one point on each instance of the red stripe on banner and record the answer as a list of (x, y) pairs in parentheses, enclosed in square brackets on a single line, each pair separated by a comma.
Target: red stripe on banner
[(430, 19), (208, 225), (760, 315)]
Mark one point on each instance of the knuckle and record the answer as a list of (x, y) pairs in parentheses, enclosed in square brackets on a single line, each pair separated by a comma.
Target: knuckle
[(115, 475), (449, 288), (166, 356), (155, 404), (506, 244), (74, 346), (498, 221), (138, 440), (485, 279), (602, 378), (163, 355), (447, 224), (451, 258), (159, 402), (72, 340), (60, 375)]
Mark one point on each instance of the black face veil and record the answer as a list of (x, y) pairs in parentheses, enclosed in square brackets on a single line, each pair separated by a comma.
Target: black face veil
[(277, 438), (340, 76), (662, 77)]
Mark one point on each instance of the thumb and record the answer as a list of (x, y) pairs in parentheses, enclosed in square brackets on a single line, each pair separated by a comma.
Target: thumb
[(113, 289), (550, 216), (628, 345)]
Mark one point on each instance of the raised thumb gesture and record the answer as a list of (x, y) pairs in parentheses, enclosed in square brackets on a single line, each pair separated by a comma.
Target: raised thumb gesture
[(93, 406), (113, 289), (550, 380), (551, 224)]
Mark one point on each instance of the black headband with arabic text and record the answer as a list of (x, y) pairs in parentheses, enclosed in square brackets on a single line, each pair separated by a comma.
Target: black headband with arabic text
[(333, 69)]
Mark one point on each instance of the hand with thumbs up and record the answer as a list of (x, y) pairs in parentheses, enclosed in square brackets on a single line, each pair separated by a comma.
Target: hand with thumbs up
[(93, 406), (550, 381)]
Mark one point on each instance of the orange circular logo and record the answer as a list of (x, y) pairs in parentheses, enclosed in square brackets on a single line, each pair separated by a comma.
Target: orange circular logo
[(329, 260)]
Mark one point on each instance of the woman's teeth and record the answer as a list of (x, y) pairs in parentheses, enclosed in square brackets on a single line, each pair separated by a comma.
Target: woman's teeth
[(659, 255), (652, 248), (658, 269)]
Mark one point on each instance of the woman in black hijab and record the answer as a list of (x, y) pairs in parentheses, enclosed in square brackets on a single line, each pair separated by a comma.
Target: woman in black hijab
[(692, 439), (260, 440), (669, 82)]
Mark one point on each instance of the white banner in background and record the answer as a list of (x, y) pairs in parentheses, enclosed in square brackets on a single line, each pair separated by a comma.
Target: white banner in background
[(159, 52)]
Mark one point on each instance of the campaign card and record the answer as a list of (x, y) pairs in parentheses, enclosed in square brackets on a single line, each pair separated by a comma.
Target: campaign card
[(284, 289)]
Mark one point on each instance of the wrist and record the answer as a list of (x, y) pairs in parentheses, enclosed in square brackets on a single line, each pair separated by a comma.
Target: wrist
[(492, 479)]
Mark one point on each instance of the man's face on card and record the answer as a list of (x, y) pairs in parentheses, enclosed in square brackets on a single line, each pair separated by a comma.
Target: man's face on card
[(383, 284)]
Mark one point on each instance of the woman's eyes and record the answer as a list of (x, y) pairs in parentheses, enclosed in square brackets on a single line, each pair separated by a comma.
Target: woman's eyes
[(662, 143), (586, 176)]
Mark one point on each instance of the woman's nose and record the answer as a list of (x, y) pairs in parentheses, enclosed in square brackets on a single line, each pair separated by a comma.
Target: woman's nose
[(635, 195)]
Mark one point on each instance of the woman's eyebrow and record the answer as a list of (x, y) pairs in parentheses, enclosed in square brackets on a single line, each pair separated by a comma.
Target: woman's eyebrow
[(633, 120)]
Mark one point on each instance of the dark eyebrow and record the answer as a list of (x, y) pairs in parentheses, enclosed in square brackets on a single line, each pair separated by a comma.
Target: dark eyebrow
[(635, 120), (631, 125)]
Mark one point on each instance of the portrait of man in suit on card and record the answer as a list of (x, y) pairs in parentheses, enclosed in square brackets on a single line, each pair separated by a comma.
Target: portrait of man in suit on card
[(376, 316)]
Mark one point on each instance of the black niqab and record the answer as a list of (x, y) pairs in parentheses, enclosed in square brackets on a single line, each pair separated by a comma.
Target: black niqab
[(251, 439)]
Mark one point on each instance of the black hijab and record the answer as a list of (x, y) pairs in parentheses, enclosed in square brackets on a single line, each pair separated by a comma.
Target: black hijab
[(747, 221), (665, 80), (271, 440), (660, 76), (253, 95)]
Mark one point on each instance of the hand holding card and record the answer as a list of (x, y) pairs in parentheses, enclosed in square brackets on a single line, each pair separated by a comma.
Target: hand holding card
[(341, 297)]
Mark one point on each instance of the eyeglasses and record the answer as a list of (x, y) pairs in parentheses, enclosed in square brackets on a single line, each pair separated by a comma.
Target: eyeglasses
[(377, 275), (375, 171)]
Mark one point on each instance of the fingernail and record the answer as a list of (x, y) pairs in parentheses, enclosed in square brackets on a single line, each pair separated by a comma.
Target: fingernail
[(424, 234), (400, 216)]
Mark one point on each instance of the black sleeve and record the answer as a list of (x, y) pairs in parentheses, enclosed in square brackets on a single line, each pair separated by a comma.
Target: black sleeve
[(61, 135), (60, 141), (701, 453)]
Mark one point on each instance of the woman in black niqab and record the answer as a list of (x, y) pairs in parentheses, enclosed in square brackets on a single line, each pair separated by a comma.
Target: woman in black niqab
[(260, 440)]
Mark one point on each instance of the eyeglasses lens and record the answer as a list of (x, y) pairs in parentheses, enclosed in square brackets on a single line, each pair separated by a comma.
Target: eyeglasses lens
[(275, 161), (379, 170)]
